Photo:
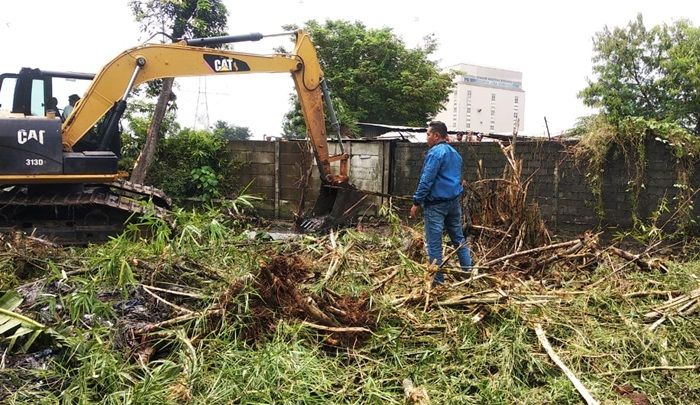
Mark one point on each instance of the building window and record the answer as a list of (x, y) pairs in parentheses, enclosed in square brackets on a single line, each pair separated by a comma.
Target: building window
[(493, 96), (469, 110), (515, 115), (492, 127), (469, 94), (516, 99), (493, 111), (469, 125)]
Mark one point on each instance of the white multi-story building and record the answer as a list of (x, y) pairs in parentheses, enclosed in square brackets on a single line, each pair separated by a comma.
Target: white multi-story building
[(485, 99)]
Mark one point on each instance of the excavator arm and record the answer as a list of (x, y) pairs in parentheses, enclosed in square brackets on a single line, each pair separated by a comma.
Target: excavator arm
[(117, 78)]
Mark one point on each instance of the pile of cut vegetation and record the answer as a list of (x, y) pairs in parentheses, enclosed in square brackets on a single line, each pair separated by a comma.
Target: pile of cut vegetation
[(214, 312)]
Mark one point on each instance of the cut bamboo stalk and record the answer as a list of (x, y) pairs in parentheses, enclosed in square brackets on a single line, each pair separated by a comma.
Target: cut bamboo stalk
[(346, 329), (386, 279), (175, 292), (553, 355), (646, 265), (164, 301), (635, 370), (530, 251), (174, 321), (651, 292), (657, 323)]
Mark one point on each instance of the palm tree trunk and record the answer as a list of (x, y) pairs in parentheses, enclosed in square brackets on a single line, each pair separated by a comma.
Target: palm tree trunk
[(143, 162)]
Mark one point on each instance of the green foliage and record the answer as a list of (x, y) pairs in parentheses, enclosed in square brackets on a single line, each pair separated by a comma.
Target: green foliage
[(647, 85), (83, 301), (230, 132), (14, 325), (138, 117), (629, 136), (193, 164), (96, 373), (192, 18), (182, 18), (651, 73), (285, 370), (390, 213), (598, 331), (374, 77), (243, 202), (205, 181)]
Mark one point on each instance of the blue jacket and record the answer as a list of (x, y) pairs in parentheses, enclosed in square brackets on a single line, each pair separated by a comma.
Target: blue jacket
[(441, 176)]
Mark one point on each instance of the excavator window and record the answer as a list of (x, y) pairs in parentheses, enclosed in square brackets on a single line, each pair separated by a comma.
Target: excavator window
[(29, 91), (38, 99), (8, 82)]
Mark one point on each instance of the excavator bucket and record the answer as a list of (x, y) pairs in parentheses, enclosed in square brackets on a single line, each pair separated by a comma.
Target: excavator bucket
[(335, 207)]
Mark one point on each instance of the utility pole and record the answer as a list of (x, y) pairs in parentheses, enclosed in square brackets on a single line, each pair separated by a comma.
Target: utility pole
[(547, 126)]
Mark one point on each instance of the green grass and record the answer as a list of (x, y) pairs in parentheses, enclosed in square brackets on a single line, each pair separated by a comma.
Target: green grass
[(598, 332)]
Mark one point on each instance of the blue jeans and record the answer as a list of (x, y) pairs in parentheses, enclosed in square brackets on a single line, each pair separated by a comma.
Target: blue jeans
[(441, 216)]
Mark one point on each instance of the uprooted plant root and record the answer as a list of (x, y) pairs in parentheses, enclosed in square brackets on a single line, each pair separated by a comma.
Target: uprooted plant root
[(280, 294)]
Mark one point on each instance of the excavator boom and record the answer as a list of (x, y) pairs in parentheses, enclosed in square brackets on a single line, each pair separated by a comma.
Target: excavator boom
[(155, 61)]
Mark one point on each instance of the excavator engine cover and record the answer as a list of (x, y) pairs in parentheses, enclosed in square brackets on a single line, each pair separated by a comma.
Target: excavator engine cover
[(30, 146)]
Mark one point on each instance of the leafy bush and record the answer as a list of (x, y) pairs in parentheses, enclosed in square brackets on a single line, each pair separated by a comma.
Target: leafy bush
[(193, 164)]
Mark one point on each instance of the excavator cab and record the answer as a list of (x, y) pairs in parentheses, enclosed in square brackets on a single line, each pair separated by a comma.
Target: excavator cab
[(30, 128)]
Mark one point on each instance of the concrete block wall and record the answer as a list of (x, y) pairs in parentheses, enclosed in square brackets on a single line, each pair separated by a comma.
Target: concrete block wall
[(257, 168), (556, 183), (281, 170)]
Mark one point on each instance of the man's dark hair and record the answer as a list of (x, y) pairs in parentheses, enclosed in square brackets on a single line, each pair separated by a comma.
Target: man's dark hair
[(438, 127)]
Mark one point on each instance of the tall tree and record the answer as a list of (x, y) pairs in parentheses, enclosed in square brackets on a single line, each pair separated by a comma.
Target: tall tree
[(179, 18), (374, 77), (224, 130), (649, 73)]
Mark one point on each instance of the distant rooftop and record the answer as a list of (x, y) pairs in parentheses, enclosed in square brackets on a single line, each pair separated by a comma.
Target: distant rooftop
[(488, 76)]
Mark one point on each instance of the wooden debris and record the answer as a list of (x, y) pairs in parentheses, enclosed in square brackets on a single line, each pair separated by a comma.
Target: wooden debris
[(479, 316), (338, 257), (646, 264), (667, 293)]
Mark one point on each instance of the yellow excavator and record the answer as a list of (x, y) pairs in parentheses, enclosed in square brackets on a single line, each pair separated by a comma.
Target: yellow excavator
[(59, 176)]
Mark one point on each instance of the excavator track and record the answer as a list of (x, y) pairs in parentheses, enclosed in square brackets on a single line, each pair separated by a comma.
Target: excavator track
[(140, 191), (91, 215)]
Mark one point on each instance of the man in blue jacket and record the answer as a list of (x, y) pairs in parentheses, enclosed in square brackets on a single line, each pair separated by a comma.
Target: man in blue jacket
[(438, 192)]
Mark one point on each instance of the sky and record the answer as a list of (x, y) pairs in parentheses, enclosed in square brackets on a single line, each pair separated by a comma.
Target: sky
[(550, 42)]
